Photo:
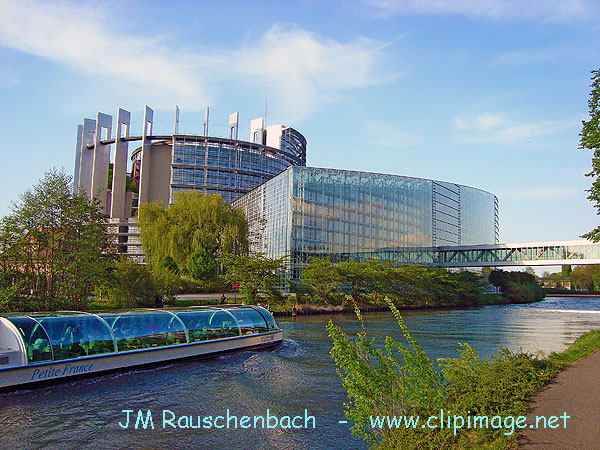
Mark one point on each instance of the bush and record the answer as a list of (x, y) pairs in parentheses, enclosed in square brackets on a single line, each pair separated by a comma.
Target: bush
[(200, 266), (401, 380), (131, 285)]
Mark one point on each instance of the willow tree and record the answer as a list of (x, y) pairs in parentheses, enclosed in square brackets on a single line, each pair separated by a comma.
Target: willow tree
[(194, 221), (590, 139)]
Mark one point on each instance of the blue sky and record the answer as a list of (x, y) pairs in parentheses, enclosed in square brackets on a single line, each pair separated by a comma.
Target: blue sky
[(486, 93)]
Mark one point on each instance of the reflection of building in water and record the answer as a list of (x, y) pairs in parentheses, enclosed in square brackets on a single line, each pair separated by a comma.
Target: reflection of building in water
[(305, 212)]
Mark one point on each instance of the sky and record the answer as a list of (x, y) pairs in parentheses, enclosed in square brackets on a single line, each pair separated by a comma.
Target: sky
[(485, 93)]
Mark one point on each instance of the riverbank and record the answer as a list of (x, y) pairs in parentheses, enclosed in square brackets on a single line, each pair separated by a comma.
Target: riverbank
[(498, 388), (291, 308), (571, 387)]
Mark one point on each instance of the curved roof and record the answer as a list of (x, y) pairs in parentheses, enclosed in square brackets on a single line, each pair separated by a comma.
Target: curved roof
[(42, 337)]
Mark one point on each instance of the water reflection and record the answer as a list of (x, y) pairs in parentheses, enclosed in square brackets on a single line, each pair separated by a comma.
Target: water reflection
[(296, 376)]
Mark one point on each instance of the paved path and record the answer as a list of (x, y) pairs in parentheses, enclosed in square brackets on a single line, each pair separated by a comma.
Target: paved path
[(230, 295), (576, 391)]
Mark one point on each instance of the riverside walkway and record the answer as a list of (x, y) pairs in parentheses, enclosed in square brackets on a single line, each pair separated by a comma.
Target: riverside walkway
[(576, 391)]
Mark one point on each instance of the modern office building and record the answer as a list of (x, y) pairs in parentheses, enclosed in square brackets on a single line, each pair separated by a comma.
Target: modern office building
[(292, 210), (165, 164), (307, 212)]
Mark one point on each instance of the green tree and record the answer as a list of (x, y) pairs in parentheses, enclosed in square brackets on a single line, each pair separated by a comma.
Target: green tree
[(321, 275), (518, 287), (200, 266), (590, 139), (195, 220), (131, 285), (256, 274), (167, 283), (168, 263), (586, 278), (54, 246), (353, 276), (379, 277)]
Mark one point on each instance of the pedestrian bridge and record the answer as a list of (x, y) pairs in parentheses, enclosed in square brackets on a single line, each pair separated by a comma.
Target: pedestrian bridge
[(551, 253)]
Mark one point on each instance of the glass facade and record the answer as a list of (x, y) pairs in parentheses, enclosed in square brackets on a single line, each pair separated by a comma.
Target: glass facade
[(306, 212), (229, 167)]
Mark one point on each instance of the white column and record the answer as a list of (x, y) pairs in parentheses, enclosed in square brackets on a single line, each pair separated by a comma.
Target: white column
[(101, 160), (77, 159), (146, 156), (234, 120), (257, 131), (119, 175), (86, 158)]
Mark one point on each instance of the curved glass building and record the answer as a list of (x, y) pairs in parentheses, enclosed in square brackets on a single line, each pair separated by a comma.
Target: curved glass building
[(307, 212)]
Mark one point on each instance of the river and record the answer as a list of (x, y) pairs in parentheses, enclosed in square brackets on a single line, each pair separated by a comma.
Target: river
[(296, 379)]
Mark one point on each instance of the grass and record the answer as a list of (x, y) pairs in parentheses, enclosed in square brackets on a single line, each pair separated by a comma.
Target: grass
[(584, 346)]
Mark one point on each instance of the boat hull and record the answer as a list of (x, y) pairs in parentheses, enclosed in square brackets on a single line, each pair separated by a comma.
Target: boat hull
[(22, 376)]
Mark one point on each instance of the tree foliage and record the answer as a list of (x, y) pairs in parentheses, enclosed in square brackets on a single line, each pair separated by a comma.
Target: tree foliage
[(131, 285), (410, 285), (168, 263), (256, 274), (200, 266), (398, 380), (323, 277), (518, 287), (590, 139), (586, 278), (195, 220), (54, 247)]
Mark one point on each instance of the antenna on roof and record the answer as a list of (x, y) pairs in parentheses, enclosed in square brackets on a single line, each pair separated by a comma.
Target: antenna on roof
[(265, 110), (206, 123)]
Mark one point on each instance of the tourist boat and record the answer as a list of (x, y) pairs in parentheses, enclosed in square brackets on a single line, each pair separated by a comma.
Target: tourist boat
[(46, 347)]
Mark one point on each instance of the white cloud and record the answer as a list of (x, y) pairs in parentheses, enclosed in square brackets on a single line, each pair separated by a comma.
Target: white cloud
[(77, 36), (305, 69), (482, 122), (550, 10), (302, 68), (387, 135), (496, 128)]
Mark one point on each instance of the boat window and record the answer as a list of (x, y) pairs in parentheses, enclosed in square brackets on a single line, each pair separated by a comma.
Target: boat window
[(271, 323), (35, 339), (74, 336), (250, 320), (139, 330), (208, 324)]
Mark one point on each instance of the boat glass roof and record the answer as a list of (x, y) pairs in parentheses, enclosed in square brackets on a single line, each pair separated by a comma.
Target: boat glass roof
[(62, 335)]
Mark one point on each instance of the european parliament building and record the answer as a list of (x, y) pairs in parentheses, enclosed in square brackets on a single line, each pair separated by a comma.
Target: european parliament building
[(292, 210), (161, 165), (306, 212)]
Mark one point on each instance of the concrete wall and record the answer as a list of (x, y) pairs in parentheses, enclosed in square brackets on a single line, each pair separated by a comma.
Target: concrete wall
[(160, 173)]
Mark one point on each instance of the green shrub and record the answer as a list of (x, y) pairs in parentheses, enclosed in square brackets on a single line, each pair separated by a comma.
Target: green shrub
[(401, 380)]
